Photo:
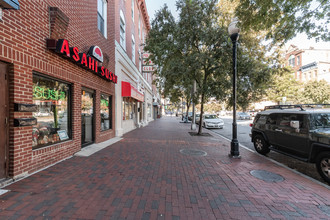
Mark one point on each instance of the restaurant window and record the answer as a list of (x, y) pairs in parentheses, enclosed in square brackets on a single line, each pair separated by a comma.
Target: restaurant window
[(52, 99), (102, 16), (127, 108), (149, 110), (105, 111)]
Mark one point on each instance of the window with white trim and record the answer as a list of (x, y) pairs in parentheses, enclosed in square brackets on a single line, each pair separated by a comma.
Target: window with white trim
[(292, 60), (139, 32), (140, 62), (133, 49), (122, 31), (102, 17), (133, 10)]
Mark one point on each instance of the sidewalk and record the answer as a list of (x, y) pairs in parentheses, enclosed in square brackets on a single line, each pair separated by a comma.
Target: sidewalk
[(160, 172)]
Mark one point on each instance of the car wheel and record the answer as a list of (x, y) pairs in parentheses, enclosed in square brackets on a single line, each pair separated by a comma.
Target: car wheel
[(204, 125), (323, 165), (260, 145)]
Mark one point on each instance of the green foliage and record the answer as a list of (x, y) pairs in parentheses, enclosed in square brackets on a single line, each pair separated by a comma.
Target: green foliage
[(282, 19), (317, 92), (197, 47), (284, 85)]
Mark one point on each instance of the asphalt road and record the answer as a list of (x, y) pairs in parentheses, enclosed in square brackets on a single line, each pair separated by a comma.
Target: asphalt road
[(243, 131)]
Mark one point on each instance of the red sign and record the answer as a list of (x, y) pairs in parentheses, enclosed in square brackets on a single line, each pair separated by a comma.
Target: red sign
[(96, 52), (127, 90), (84, 60), (148, 68)]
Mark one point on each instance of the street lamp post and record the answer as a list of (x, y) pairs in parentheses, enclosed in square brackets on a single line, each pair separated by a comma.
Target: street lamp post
[(234, 35)]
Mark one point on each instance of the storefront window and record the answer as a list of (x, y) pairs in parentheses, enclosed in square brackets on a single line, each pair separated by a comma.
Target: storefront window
[(127, 109), (149, 110), (52, 99), (105, 109)]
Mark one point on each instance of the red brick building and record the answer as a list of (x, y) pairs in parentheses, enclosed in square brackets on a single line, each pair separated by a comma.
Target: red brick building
[(134, 94), (56, 96)]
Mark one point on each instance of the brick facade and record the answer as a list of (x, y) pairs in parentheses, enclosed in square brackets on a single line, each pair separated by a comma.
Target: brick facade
[(23, 35)]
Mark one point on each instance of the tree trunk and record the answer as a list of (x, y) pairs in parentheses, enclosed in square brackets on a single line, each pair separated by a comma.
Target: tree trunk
[(200, 127)]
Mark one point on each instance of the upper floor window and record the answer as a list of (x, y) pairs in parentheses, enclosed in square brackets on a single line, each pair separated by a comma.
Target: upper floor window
[(122, 30), (139, 30), (298, 60), (133, 10), (291, 60), (133, 49), (102, 16)]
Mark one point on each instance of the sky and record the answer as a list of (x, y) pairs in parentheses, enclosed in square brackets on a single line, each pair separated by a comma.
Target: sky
[(300, 40)]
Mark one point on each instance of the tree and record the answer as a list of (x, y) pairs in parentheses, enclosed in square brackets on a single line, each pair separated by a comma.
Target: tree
[(317, 92), (284, 85), (282, 19), (197, 47)]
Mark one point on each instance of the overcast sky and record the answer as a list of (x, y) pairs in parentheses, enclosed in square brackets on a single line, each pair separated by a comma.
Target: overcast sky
[(301, 40)]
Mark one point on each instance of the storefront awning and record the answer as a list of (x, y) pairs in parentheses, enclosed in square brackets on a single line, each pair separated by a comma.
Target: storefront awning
[(127, 90)]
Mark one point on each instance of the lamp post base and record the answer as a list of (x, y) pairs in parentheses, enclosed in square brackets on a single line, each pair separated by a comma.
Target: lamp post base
[(234, 152)]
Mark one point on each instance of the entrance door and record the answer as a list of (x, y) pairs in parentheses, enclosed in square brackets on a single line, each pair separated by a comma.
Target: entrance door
[(87, 117), (4, 115)]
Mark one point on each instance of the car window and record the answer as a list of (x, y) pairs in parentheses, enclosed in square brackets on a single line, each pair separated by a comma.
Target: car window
[(271, 119), (285, 119), (210, 116), (321, 120)]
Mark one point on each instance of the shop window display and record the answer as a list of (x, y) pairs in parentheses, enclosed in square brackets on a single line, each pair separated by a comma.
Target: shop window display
[(52, 100), (105, 110), (127, 108)]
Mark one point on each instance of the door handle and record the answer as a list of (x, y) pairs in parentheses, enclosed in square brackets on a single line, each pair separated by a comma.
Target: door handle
[(278, 130)]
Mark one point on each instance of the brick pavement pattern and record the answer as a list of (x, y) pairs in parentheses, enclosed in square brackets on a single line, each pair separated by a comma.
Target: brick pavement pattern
[(145, 176)]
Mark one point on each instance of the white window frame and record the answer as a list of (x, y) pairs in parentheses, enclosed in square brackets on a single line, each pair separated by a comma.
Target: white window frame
[(139, 30), (133, 49), (133, 10), (140, 61), (122, 30), (103, 15)]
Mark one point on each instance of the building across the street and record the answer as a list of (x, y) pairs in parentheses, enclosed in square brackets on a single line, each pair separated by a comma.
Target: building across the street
[(70, 76), (309, 64)]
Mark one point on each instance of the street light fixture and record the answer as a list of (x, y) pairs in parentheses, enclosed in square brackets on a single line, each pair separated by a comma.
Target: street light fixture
[(234, 35)]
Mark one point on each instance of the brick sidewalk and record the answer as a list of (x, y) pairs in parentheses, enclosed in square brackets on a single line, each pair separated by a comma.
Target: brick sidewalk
[(144, 176)]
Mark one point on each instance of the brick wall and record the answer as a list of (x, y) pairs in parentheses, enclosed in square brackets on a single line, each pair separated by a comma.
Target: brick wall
[(23, 35), (132, 25)]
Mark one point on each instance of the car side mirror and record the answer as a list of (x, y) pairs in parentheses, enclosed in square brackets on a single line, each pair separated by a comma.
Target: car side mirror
[(295, 124)]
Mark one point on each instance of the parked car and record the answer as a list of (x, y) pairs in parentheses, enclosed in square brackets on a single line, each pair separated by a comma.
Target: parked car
[(190, 115), (243, 116), (212, 121), (197, 119), (253, 113), (302, 133)]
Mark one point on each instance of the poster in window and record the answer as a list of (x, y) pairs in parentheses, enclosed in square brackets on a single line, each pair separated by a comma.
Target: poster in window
[(63, 135)]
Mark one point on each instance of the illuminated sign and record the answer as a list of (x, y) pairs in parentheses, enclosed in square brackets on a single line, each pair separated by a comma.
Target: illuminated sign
[(104, 102), (82, 59), (47, 94), (96, 52)]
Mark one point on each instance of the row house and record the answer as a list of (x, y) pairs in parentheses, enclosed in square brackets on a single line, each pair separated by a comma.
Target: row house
[(134, 93), (309, 64), (70, 77)]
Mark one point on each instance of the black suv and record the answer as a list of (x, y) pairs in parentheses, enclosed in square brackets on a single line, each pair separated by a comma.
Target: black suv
[(299, 131)]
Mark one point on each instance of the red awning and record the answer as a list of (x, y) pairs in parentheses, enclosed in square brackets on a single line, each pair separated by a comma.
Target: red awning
[(127, 90)]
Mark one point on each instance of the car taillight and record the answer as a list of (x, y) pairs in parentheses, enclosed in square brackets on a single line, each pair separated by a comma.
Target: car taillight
[(251, 124)]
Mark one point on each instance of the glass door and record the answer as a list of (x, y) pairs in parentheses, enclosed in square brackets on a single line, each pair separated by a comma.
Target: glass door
[(87, 117)]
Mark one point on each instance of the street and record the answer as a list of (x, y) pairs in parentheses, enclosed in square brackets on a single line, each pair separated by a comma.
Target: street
[(243, 131)]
